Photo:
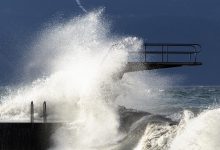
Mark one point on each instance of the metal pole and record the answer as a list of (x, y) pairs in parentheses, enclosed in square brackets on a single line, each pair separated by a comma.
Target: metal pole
[(44, 112), (145, 48), (190, 57), (195, 57), (32, 112)]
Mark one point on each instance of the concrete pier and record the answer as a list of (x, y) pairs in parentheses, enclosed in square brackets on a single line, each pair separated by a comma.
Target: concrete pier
[(26, 136)]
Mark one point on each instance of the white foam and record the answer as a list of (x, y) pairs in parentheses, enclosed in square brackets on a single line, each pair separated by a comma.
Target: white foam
[(200, 133), (160, 136), (156, 137)]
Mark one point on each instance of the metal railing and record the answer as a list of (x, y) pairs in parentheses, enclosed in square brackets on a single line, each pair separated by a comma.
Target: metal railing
[(165, 50), (44, 112)]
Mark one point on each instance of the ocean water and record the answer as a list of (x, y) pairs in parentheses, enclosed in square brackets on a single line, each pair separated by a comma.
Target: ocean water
[(75, 66), (179, 98), (194, 120)]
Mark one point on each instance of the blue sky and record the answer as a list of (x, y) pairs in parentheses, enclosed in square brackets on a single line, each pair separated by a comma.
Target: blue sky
[(186, 21)]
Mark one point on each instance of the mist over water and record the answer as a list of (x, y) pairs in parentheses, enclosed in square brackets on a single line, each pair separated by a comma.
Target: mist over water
[(76, 66)]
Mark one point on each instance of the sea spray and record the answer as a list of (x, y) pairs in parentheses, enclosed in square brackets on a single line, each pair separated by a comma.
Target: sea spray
[(78, 2), (78, 62), (78, 84), (143, 91)]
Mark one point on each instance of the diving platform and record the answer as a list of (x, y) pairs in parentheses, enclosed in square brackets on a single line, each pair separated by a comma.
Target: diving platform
[(163, 55)]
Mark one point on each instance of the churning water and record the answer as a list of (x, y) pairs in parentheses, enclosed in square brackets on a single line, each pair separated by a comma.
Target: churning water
[(78, 63)]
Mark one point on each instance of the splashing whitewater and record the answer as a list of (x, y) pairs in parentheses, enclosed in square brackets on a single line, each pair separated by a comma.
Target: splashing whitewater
[(81, 59), (81, 63)]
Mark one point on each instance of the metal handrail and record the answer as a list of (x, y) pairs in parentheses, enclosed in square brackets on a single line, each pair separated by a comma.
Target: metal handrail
[(164, 50), (44, 112)]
